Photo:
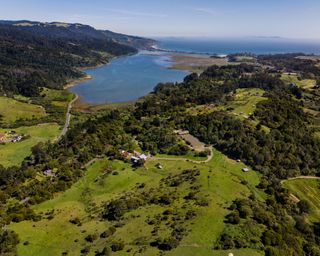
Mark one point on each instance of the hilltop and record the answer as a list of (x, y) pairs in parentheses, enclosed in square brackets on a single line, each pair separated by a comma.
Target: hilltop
[(35, 55), (78, 31)]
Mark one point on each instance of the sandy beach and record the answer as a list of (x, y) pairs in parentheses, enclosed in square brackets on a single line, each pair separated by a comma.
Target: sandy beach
[(77, 81)]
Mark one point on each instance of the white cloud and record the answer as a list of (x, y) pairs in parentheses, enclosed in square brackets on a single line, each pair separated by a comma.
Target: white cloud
[(206, 10)]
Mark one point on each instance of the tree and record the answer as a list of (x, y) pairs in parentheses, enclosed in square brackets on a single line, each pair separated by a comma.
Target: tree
[(304, 206)]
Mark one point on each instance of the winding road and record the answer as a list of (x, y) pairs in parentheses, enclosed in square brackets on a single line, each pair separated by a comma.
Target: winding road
[(68, 117)]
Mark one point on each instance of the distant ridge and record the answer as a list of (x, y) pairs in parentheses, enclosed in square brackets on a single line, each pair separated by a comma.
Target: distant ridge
[(78, 31), (34, 54)]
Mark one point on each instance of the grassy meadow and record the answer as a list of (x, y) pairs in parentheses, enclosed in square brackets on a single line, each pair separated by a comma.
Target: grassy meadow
[(243, 104), (219, 181), (12, 110), (307, 189), (13, 153), (303, 83)]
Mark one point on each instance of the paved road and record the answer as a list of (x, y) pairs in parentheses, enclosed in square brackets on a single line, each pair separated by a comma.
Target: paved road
[(68, 118)]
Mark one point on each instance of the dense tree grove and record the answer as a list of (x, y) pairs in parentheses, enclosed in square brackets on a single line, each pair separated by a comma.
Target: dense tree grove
[(30, 60), (290, 148), (292, 63)]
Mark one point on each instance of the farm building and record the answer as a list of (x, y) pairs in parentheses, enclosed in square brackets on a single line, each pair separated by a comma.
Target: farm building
[(245, 169), (143, 157)]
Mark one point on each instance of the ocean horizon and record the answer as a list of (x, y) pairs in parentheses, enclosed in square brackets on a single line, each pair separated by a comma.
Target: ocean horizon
[(255, 45)]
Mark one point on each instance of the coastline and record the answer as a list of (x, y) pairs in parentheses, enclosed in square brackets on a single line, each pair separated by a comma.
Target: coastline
[(73, 82)]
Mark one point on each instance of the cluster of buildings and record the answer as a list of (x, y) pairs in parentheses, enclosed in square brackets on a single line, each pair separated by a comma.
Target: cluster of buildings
[(11, 136), (133, 157), (16, 138)]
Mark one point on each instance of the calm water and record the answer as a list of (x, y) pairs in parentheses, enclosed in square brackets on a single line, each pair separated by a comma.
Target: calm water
[(252, 45), (127, 78), (131, 77)]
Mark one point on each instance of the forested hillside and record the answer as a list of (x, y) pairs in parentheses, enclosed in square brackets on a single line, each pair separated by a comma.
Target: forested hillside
[(35, 55)]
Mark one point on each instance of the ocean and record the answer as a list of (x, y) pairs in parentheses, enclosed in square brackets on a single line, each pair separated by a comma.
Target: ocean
[(229, 46)]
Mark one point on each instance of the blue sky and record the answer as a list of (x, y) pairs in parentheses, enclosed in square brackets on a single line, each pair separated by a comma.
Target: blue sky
[(209, 18)]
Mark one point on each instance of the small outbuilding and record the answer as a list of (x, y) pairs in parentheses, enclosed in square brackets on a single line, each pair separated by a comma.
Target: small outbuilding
[(159, 166), (245, 169), (143, 157), (134, 159)]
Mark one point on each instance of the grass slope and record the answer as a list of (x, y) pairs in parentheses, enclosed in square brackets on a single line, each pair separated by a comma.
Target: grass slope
[(14, 153), (220, 182), (244, 103), (307, 189), (303, 83), (12, 110)]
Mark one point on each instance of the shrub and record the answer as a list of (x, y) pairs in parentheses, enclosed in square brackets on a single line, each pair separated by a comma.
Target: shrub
[(304, 206), (117, 246), (90, 238), (233, 218)]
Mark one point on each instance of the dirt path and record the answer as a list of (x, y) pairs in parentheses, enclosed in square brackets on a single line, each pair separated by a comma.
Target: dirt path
[(91, 161), (186, 159), (293, 197), (68, 118), (301, 177)]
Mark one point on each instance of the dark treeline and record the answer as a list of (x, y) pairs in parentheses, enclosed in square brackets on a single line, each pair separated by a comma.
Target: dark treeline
[(292, 63), (290, 148), (29, 60), (213, 86)]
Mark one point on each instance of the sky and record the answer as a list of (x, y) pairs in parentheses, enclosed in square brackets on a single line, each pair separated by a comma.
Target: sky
[(297, 19)]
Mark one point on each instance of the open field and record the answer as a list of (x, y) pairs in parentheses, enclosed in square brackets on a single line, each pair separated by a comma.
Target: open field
[(219, 181), (243, 105), (14, 153), (315, 58), (84, 107), (303, 83), (246, 101), (307, 189), (60, 98), (12, 110)]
